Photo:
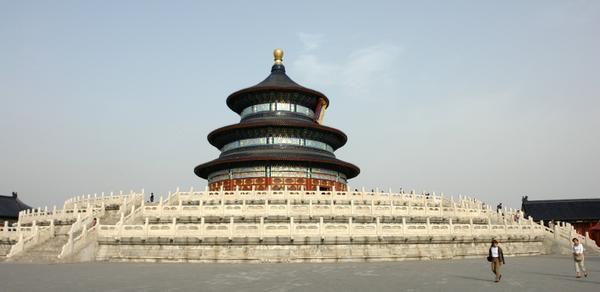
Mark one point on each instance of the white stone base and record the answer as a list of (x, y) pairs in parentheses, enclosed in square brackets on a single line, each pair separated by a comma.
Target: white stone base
[(318, 252)]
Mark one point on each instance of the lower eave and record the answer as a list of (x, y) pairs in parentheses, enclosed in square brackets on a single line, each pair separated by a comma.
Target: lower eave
[(349, 169)]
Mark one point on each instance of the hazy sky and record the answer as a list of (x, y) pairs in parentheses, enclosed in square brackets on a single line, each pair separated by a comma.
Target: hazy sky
[(495, 99)]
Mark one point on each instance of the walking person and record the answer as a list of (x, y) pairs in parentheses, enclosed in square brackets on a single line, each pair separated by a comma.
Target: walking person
[(496, 257), (578, 258), (151, 197)]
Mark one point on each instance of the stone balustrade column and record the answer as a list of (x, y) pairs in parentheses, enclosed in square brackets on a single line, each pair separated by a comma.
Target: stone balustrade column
[(450, 226), (377, 227), (321, 228), (174, 227), (261, 228), (350, 227), (403, 226), (428, 226), (52, 227), (5, 230), (331, 212), (471, 226), (292, 227)]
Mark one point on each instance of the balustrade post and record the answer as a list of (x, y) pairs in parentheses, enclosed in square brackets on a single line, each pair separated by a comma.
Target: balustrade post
[(230, 228), (174, 226), (585, 239), (5, 230), (450, 226), (146, 223), (321, 228), (428, 224), (261, 228), (292, 228), (391, 208), (84, 232), (471, 225), (352, 207), (403, 226), (124, 205), (36, 233), (310, 208), (202, 228), (52, 227), (377, 227), (372, 207), (331, 207), (350, 227)]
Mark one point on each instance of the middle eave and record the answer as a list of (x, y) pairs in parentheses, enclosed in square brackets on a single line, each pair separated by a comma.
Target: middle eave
[(221, 136)]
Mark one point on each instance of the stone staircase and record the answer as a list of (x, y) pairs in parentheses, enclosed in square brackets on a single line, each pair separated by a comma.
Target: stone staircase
[(46, 252)]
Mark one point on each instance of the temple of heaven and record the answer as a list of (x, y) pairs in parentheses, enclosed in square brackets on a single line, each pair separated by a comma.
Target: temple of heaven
[(279, 142)]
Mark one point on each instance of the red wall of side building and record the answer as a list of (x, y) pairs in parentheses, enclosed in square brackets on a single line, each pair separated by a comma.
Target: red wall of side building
[(583, 227), (277, 183)]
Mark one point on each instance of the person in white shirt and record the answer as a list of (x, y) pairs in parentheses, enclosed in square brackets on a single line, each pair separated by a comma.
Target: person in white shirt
[(496, 257), (578, 258)]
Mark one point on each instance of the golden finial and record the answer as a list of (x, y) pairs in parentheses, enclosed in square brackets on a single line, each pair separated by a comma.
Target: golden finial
[(278, 56)]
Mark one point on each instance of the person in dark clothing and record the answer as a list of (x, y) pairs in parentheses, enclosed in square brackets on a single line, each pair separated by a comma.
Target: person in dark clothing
[(496, 257), (151, 197)]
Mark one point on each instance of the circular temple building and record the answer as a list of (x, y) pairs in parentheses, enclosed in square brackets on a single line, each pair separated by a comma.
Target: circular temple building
[(279, 142)]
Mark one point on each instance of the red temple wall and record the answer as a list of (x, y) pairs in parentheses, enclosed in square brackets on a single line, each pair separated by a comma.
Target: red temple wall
[(583, 227), (277, 183)]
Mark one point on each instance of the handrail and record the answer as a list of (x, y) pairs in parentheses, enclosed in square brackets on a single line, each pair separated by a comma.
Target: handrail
[(322, 229)]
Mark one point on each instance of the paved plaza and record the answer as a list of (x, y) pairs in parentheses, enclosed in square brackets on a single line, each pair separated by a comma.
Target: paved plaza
[(542, 273)]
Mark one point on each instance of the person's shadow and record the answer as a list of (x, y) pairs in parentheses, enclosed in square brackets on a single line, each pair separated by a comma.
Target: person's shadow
[(473, 278), (554, 275)]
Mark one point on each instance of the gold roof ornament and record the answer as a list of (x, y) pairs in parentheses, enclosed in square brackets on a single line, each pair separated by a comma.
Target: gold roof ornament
[(278, 56)]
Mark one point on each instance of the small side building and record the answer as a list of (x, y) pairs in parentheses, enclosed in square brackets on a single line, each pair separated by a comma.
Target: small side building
[(583, 214), (10, 206)]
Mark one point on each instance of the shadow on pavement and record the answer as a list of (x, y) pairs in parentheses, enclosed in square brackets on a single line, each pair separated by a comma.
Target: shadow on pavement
[(554, 275), (473, 278)]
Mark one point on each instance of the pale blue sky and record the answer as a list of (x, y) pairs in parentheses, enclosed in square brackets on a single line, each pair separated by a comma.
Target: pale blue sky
[(492, 99)]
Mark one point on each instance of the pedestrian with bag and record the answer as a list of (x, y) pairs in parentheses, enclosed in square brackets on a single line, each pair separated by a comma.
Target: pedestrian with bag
[(578, 258), (496, 257)]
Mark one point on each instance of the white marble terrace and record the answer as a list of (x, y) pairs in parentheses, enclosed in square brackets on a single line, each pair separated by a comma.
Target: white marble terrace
[(269, 214)]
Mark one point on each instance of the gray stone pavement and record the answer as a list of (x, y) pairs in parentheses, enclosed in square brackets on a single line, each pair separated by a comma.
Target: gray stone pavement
[(542, 273)]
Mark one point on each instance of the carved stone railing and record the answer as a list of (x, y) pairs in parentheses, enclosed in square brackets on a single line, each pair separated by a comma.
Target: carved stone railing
[(39, 235), (28, 216), (291, 229), (12, 233), (564, 231), (74, 245), (111, 199), (307, 195), (311, 208), (82, 227)]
